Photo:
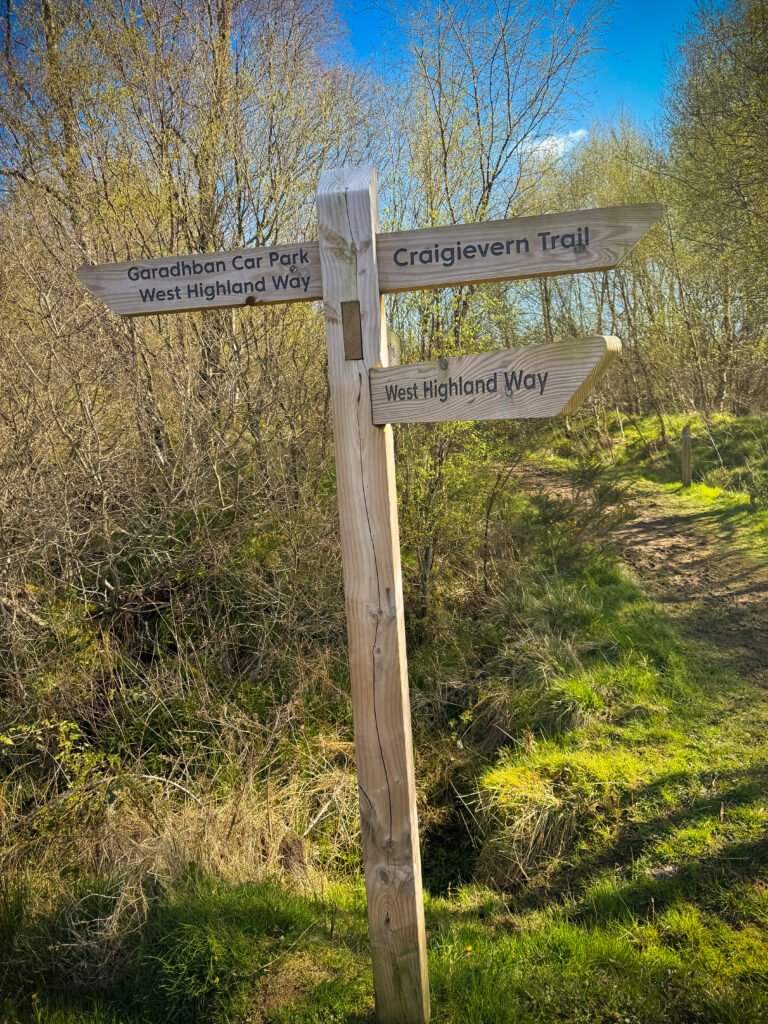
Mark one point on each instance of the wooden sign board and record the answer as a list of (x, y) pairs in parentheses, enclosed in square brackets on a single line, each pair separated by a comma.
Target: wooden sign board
[(518, 383), (178, 284), (498, 250), (502, 250)]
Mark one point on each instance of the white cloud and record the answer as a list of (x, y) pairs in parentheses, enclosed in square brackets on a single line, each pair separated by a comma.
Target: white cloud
[(557, 145)]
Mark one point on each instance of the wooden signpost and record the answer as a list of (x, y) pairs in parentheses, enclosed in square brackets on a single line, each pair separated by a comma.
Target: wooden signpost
[(350, 267), (686, 467)]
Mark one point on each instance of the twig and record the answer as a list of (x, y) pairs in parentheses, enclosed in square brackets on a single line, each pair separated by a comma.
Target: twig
[(317, 818), (24, 613), (176, 785)]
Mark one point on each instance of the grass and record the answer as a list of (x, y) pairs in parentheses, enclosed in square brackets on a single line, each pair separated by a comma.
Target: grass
[(647, 902), (725, 516), (642, 950), (595, 802), (729, 467)]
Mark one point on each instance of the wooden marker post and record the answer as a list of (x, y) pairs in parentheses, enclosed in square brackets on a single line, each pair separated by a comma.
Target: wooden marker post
[(356, 336), (686, 474)]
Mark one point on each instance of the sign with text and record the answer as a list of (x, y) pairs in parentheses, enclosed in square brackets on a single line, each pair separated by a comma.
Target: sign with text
[(496, 250), (240, 277), (518, 383), (501, 250)]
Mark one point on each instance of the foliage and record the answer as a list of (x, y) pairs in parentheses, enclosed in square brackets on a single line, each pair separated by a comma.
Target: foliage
[(719, 140), (178, 803)]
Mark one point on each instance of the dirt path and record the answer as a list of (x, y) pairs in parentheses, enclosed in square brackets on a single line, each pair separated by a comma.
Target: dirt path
[(715, 590)]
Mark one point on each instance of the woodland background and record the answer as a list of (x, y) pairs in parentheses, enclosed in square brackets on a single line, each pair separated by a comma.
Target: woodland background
[(172, 646)]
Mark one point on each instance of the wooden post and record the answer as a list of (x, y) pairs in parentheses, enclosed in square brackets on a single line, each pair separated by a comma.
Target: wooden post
[(687, 455), (347, 212)]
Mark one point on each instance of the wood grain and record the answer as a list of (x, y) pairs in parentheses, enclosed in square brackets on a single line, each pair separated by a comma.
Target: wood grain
[(607, 235), (229, 283), (521, 383), (370, 545), (486, 251)]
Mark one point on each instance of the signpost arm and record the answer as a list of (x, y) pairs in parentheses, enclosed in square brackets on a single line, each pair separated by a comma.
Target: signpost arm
[(347, 210)]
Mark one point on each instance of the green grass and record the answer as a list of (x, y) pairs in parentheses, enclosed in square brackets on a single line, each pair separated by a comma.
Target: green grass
[(595, 806), (214, 952), (729, 465), (723, 515), (726, 450), (629, 836)]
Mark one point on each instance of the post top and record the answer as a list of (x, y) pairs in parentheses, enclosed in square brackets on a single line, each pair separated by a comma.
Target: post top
[(345, 179)]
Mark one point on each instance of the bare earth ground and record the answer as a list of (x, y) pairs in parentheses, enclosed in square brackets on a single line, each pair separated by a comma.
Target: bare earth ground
[(715, 589)]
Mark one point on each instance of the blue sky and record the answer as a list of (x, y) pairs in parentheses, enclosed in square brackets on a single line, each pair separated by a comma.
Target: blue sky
[(632, 71)]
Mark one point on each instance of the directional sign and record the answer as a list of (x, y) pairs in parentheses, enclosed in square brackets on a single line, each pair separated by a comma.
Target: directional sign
[(500, 250), (240, 277), (496, 250), (518, 383)]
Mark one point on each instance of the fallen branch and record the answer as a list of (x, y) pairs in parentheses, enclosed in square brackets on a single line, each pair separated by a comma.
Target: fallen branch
[(24, 613)]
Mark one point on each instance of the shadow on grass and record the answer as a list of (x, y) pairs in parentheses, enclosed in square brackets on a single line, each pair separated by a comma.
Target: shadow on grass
[(673, 525), (714, 587), (207, 951), (698, 881), (694, 875), (212, 952)]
